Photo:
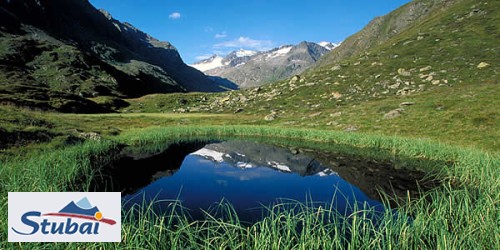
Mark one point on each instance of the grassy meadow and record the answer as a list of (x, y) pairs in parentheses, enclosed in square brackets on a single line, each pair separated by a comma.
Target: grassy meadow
[(419, 100), (461, 212)]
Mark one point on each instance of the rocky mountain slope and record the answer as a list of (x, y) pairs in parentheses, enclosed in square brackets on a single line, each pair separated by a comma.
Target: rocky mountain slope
[(252, 68), (437, 78), (67, 47), (381, 29)]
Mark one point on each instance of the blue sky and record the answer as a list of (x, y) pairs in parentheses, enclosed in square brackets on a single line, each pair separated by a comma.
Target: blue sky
[(199, 28)]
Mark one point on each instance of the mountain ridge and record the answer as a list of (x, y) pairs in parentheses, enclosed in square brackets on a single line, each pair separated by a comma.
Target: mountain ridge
[(382, 28), (70, 48), (255, 68)]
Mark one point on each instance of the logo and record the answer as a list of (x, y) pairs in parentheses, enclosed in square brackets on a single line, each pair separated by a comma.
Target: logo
[(78, 217)]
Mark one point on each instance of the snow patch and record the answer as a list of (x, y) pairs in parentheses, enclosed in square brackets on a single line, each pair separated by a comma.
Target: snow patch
[(279, 166), (243, 53), (117, 27), (244, 165), (280, 52), (326, 172), (328, 45), (216, 62), (210, 154)]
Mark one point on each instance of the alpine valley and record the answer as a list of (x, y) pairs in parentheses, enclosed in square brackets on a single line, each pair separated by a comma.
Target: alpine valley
[(407, 107), (58, 53)]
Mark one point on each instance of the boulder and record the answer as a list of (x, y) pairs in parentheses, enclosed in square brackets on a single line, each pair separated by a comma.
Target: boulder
[(271, 117), (336, 67), (295, 79), (315, 114), (336, 95), (351, 128), (406, 104), (332, 123), (403, 72), (482, 65), (394, 113), (427, 68), (336, 114)]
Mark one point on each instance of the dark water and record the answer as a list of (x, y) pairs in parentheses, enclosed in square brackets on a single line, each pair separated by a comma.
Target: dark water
[(246, 174)]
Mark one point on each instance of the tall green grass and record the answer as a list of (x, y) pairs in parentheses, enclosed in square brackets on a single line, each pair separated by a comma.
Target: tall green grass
[(463, 213)]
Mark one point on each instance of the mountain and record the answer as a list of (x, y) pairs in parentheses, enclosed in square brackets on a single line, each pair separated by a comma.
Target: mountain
[(246, 154), (74, 208), (436, 77), (383, 28), (249, 68), (67, 47), (212, 62), (328, 45), (233, 59)]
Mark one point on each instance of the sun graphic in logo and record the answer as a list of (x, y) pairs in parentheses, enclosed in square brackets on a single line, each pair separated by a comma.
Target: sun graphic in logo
[(98, 215)]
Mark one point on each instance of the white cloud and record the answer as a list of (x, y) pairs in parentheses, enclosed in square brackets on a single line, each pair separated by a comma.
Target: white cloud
[(221, 35), (208, 29), (246, 43), (175, 15), (221, 52), (203, 57)]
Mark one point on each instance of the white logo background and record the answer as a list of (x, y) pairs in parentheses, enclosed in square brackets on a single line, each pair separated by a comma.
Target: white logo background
[(109, 204)]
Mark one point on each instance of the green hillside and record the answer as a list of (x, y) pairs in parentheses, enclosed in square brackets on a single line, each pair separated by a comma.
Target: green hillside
[(416, 90), (437, 79), (380, 29)]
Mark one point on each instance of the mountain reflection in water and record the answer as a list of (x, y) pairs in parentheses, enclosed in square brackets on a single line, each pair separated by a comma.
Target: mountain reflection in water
[(249, 175)]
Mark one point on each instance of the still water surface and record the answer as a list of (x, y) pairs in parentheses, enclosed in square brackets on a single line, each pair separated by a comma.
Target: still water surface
[(249, 175)]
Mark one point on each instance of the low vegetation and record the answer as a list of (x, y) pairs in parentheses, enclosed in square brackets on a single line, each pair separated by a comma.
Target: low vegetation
[(462, 212), (425, 98), (436, 79)]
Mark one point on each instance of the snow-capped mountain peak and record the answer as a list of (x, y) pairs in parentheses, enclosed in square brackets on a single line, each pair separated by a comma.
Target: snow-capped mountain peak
[(328, 45), (213, 62), (243, 53), (283, 50), (249, 68)]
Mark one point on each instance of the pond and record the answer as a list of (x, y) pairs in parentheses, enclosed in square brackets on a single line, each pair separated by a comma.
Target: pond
[(249, 175)]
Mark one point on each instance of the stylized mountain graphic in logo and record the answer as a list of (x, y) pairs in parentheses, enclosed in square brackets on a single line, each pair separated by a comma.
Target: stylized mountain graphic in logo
[(82, 210)]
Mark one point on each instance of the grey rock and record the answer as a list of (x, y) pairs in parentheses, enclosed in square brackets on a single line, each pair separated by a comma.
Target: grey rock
[(332, 123), (90, 136), (336, 67), (336, 114), (315, 114), (394, 113), (351, 128), (482, 65), (406, 104), (405, 91), (271, 117), (403, 72), (426, 68), (294, 79)]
